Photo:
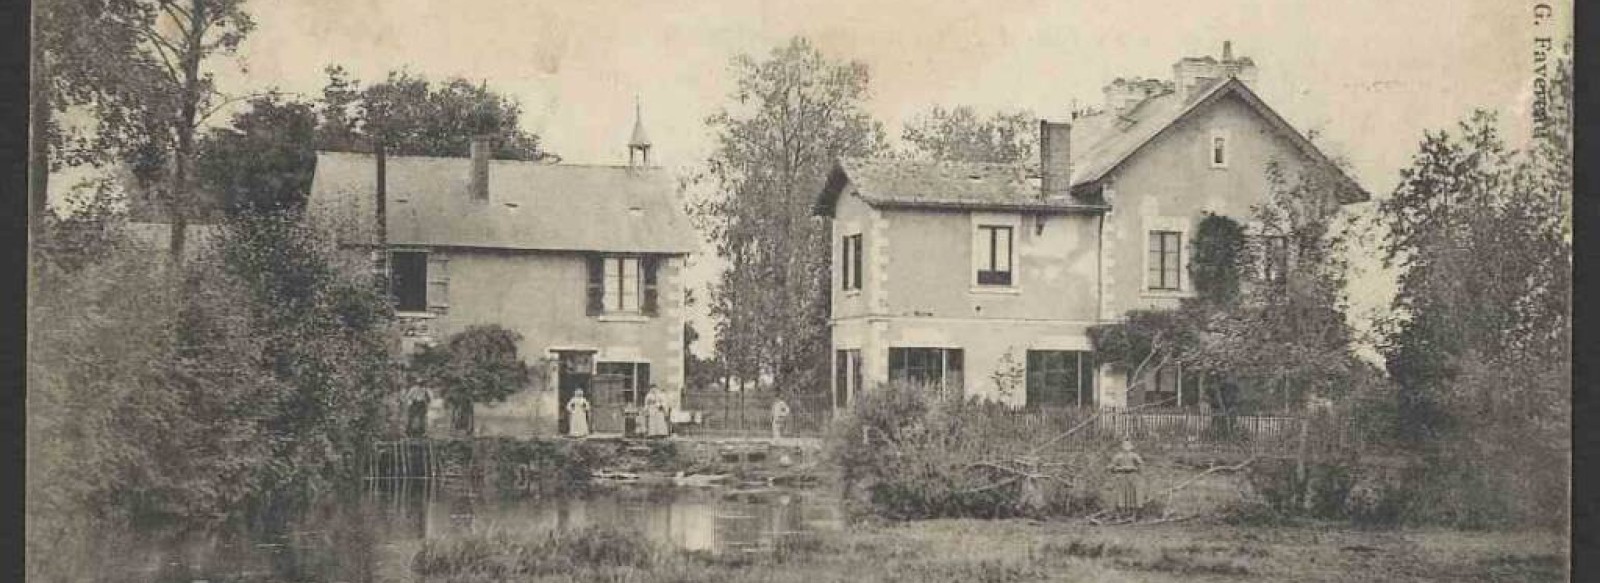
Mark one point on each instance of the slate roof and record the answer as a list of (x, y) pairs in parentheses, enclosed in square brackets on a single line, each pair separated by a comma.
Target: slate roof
[(1100, 143), (531, 206)]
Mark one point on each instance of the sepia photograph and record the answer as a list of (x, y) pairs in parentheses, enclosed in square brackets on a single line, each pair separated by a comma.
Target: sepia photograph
[(799, 291)]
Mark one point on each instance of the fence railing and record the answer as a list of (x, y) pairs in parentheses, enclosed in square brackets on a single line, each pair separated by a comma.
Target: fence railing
[(749, 414)]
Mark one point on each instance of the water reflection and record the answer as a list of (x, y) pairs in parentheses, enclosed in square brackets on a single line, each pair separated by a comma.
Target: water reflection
[(372, 537)]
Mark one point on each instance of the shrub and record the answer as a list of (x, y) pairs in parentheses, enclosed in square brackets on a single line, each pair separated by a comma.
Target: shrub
[(912, 452)]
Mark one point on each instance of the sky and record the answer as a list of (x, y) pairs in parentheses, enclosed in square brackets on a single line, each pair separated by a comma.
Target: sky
[(1368, 76)]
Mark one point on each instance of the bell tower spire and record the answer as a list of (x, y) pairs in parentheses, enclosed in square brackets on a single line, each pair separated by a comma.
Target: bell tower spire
[(640, 143)]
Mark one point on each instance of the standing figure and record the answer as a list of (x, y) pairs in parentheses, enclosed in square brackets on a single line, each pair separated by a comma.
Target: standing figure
[(416, 399), (578, 415), (780, 413), (1125, 465), (655, 414)]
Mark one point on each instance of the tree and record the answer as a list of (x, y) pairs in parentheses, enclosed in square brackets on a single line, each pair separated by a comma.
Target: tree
[(792, 115), (961, 135), (264, 162), (412, 116), (477, 365)]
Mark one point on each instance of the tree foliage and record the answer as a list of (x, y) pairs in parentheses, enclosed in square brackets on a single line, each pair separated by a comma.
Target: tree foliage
[(413, 116), (477, 365), (792, 115), (960, 134), (264, 162), (251, 380)]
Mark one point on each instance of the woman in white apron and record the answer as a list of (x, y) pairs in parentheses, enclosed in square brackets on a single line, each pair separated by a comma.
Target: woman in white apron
[(578, 415), (655, 414)]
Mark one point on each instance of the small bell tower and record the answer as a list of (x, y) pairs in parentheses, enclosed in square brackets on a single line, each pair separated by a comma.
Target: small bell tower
[(639, 145)]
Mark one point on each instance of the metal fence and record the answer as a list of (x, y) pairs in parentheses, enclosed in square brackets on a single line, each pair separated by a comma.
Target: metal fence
[(749, 414)]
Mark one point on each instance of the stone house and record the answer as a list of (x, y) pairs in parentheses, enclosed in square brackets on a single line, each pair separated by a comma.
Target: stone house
[(969, 274), (586, 262)]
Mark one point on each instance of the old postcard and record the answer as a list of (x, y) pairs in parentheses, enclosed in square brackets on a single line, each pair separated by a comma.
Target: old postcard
[(766, 290)]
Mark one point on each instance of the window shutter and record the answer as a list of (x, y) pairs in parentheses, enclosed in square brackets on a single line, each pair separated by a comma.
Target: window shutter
[(596, 285), (438, 282), (642, 374), (855, 270), (648, 265)]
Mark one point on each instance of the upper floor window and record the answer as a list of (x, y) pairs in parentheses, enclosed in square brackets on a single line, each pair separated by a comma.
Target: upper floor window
[(622, 285), (1164, 264), (409, 280), (994, 255), (1219, 151), (850, 263)]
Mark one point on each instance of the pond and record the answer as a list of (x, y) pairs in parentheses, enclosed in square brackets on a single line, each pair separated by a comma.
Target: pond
[(374, 536)]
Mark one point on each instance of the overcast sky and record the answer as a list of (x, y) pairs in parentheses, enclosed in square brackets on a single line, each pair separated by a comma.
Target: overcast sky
[(1368, 75)]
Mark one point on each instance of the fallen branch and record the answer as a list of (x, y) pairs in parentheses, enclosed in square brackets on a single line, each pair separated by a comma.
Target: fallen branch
[(1167, 494)]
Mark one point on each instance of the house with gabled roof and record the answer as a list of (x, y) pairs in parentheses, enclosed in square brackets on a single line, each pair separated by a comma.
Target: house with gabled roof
[(966, 273), (585, 262)]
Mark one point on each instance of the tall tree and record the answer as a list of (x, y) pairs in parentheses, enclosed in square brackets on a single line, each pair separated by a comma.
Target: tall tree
[(792, 115), (264, 161), (960, 134), (182, 35), (413, 116)]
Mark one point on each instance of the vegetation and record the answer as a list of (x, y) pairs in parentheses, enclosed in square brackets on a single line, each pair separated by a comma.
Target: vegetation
[(960, 134), (412, 116), (792, 115), (476, 365), (247, 382), (911, 452), (1006, 551)]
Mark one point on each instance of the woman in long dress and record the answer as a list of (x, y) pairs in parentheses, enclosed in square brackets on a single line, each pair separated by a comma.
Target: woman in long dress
[(655, 414), (578, 415)]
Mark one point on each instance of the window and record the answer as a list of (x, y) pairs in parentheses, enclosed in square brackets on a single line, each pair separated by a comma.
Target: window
[(1060, 378), (1164, 262), (994, 255), (926, 366), (621, 382), (1171, 388), (850, 263), (1219, 151), (622, 285), (1274, 258), (409, 283), (846, 376)]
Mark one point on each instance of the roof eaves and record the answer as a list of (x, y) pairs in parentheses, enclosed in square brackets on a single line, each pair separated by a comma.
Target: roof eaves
[(1041, 207)]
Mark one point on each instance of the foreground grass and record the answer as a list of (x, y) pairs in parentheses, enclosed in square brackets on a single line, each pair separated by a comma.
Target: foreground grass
[(1017, 550)]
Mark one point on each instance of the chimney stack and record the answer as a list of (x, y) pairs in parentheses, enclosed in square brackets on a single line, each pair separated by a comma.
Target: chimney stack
[(479, 183), (1055, 160), (1192, 75)]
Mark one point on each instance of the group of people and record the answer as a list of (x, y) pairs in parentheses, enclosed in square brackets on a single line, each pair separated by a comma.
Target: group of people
[(654, 414)]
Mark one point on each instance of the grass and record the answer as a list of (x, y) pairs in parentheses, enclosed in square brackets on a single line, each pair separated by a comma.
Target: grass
[(1018, 550)]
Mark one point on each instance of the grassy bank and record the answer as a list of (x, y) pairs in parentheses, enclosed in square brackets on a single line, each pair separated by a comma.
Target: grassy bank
[(1018, 550)]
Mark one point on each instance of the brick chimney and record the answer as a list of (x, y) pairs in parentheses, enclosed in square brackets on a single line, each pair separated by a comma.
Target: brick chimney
[(1124, 94), (1192, 75), (479, 181), (1055, 159)]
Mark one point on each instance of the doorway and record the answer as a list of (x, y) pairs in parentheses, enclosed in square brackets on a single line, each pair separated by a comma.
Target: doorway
[(575, 371)]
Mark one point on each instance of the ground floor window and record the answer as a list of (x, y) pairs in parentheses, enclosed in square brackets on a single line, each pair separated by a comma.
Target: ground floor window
[(1060, 378), (622, 382), (928, 366), (846, 376), (1170, 387)]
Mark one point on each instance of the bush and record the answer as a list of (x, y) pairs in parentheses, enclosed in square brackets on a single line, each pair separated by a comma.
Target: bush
[(913, 452)]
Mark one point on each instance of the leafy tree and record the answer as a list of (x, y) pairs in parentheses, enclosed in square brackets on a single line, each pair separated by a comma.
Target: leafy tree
[(962, 135), (264, 162), (477, 365), (792, 115), (1481, 349), (412, 116)]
